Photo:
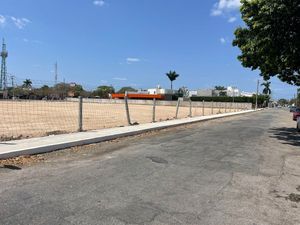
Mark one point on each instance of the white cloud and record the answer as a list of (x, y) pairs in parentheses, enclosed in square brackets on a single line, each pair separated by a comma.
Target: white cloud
[(120, 78), (223, 6), (37, 42), (132, 60), (232, 19), (20, 23), (222, 40), (32, 41), (2, 20), (99, 3)]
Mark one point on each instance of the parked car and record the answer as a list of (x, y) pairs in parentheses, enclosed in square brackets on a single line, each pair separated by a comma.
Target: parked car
[(298, 124), (296, 114), (293, 108)]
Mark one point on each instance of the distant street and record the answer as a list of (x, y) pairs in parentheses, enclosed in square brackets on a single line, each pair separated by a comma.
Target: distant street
[(243, 170)]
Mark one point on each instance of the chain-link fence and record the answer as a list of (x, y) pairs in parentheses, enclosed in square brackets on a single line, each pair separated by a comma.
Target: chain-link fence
[(35, 118)]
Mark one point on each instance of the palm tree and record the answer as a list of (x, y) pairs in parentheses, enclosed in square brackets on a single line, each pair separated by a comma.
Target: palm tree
[(266, 90), (27, 83), (172, 75)]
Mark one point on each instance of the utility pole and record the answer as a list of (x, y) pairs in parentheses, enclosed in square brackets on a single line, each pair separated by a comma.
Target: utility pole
[(232, 98), (297, 96), (13, 85), (256, 94), (56, 73)]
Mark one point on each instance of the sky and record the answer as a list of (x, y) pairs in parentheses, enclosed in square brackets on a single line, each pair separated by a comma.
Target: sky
[(127, 43)]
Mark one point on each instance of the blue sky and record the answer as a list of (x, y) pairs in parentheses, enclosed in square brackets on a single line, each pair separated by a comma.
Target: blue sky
[(127, 43)]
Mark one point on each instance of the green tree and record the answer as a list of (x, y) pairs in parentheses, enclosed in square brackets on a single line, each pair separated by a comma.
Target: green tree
[(39, 93), (172, 75), (126, 89), (267, 89), (270, 40), (183, 92), (27, 84), (45, 91), (104, 91), (283, 102), (77, 90), (20, 92), (61, 90), (220, 88)]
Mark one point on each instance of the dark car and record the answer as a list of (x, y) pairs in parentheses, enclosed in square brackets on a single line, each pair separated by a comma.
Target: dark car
[(296, 114), (293, 108), (298, 124)]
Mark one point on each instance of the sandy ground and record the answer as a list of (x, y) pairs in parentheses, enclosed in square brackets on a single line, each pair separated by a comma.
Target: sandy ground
[(23, 119)]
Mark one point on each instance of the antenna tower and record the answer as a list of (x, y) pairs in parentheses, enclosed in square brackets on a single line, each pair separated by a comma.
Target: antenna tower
[(3, 78)]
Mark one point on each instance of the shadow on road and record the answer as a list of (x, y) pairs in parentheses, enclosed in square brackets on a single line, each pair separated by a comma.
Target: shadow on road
[(287, 135), (11, 167)]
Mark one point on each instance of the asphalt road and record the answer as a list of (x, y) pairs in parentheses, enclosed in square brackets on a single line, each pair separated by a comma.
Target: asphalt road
[(237, 171)]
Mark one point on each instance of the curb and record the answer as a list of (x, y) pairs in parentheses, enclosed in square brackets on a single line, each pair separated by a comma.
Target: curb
[(40, 145)]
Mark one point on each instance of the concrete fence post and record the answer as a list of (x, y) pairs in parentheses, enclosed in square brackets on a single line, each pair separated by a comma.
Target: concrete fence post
[(153, 111), (190, 101), (177, 108), (225, 107), (80, 114), (127, 108), (203, 108), (212, 107)]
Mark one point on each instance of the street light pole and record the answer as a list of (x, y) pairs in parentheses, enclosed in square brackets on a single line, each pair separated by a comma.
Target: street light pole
[(256, 94), (297, 95)]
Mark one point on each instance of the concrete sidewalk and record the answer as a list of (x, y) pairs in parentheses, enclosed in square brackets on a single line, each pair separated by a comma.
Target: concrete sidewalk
[(51, 143)]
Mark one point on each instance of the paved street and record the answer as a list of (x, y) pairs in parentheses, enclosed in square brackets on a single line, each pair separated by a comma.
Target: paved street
[(243, 170)]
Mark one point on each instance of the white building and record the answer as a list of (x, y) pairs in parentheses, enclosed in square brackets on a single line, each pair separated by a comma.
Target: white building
[(205, 92), (192, 93), (247, 94), (160, 91), (233, 92)]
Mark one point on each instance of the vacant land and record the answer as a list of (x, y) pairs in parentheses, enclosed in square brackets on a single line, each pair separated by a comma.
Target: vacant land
[(22, 119)]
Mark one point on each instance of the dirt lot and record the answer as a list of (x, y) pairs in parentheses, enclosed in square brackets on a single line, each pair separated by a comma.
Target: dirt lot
[(23, 119)]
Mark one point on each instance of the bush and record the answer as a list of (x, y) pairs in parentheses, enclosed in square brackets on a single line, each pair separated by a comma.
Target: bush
[(260, 99)]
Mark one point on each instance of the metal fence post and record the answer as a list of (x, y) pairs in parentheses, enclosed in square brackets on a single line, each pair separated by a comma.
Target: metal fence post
[(212, 107), (153, 112), (80, 115), (203, 109), (190, 101), (127, 109), (177, 108)]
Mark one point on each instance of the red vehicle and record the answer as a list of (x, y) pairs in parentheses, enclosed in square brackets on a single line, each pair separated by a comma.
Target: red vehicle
[(137, 96), (296, 114)]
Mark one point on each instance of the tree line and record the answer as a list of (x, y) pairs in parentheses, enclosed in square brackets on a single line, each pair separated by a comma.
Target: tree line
[(62, 90)]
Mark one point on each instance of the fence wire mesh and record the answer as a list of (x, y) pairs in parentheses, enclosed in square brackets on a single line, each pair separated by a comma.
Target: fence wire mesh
[(35, 118)]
